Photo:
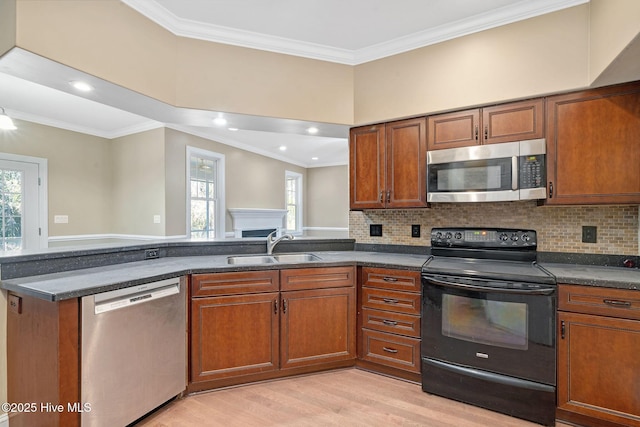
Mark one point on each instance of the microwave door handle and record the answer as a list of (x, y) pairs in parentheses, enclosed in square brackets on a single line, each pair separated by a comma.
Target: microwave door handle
[(541, 291), (514, 173)]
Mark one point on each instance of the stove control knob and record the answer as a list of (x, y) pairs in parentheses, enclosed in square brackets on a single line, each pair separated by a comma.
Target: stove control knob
[(504, 237), (525, 237), (449, 235), (458, 235), (439, 235), (514, 237)]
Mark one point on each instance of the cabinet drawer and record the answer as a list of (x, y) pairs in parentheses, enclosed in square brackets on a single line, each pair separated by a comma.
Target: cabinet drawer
[(603, 301), (391, 350), (388, 321), (244, 282), (400, 302), (400, 280), (317, 278)]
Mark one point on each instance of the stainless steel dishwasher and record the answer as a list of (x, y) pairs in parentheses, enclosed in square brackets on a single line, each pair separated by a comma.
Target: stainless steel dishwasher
[(133, 351)]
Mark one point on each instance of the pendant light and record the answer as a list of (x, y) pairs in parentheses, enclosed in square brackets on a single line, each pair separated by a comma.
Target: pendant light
[(5, 121)]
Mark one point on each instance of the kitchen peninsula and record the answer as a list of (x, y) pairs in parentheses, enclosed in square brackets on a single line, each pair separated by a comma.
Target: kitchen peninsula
[(58, 292)]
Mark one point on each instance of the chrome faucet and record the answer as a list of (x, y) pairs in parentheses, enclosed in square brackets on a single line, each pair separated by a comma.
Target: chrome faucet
[(272, 242)]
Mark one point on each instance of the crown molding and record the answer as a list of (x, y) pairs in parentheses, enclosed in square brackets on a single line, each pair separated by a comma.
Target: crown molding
[(214, 33), (116, 133)]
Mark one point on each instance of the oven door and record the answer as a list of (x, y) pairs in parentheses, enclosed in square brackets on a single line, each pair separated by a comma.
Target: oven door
[(477, 323)]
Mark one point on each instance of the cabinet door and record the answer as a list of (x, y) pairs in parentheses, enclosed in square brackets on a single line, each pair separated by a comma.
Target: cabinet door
[(317, 326), (599, 367), (513, 122), (234, 335), (367, 167), (451, 130), (592, 146), (406, 163)]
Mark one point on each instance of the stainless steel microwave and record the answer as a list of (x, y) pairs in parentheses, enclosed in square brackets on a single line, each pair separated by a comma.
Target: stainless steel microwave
[(488, 173)]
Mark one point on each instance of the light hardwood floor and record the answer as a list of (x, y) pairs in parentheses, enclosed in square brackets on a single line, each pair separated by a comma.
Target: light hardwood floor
[(345, 398)]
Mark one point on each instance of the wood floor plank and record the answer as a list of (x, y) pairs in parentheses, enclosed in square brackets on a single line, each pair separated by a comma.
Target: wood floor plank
[(349, 397)]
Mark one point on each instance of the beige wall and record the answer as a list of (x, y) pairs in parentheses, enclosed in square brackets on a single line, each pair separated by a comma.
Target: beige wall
[(214, 76), (117, 186), (104, 38), (7, 25), (79, 180), (327, 192), (614, 24), (138, 189), (252, 180), (525, 59), (142, 56), (560, 51)]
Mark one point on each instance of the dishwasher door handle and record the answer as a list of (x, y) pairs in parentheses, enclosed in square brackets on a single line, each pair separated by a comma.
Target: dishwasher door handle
[(121, 298)]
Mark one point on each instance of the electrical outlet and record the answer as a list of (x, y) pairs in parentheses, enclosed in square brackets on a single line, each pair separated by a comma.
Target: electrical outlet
[(415, 230), (151, 253), (375, 230), (589, 234)]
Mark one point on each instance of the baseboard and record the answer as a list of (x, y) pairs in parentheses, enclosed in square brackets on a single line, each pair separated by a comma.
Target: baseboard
[(108, 237)]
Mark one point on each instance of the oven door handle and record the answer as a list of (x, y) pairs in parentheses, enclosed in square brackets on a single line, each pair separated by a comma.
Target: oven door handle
[(540, 291)]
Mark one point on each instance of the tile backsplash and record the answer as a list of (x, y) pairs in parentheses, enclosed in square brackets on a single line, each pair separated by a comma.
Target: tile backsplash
[(559, 228)]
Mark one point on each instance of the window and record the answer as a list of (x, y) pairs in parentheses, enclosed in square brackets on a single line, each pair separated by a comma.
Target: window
[(293, 199), (205, 201), (22, 202)]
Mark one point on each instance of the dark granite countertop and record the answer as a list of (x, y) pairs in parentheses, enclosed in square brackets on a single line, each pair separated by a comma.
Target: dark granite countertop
[(589, 275), (88, 281), (83, 282)]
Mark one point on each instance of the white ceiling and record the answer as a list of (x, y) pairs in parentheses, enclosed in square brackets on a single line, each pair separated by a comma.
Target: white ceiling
[(345, 31)]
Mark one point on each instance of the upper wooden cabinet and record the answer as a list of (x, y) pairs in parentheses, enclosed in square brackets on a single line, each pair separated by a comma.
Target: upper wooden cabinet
[(515, 121), (388, 165), (593, 146)]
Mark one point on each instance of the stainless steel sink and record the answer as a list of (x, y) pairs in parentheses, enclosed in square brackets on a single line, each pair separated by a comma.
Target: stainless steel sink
[(296, 257), (271, 259), (251, 259)]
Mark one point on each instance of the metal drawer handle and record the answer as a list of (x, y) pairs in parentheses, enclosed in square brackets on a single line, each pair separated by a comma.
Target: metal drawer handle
[(389, 322), (390, 350), (617, 303), (390, 300), (390, 279)]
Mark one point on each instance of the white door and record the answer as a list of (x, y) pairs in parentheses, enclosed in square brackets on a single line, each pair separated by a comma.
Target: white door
[(19, 205)]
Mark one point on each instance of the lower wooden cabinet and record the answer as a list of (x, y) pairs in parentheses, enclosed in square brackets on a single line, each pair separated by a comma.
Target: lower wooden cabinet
[(598, 356), (392, 350), (317, 326), (242, 337), (234, 335), (389, 321)]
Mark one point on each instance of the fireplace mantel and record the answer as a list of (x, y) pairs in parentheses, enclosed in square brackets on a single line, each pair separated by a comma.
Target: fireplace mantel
[(257, 219)]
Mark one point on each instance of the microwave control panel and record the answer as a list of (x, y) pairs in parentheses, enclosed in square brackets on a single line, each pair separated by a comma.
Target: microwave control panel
[(532, 171)]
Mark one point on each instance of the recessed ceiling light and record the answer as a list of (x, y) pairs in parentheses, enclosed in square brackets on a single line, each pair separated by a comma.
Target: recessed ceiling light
[(312, 130), (283, 148), (314, 158), (233, 129), (81, 86), (220, 121)]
